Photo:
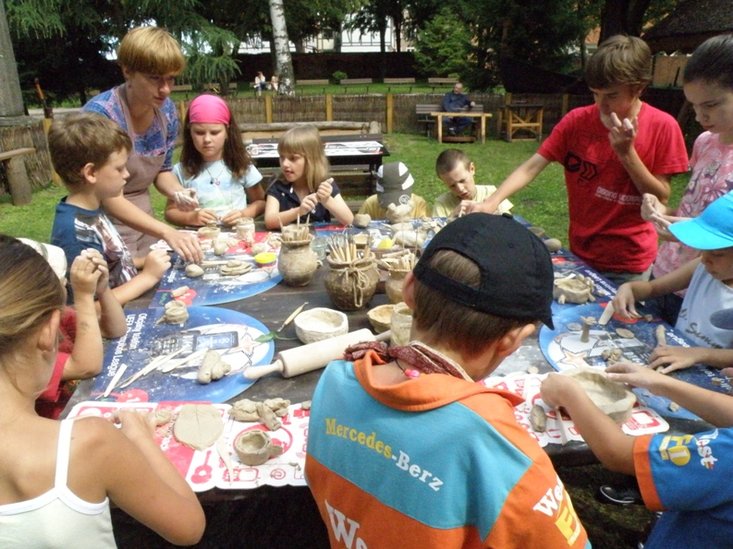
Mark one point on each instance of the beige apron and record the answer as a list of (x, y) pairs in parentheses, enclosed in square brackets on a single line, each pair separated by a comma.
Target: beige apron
[(143, 171)]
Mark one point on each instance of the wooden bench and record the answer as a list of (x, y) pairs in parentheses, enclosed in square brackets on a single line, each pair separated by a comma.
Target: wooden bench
[(323, 82), (313, 82), (273, 130), (430, 114), (399, 82), (215, 87), (346, 82), (182, 88), (522, 121), (441, 82), (19, 185)]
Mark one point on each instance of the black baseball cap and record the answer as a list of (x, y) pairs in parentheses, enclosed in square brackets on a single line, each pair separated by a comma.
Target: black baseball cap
[(516, 269)]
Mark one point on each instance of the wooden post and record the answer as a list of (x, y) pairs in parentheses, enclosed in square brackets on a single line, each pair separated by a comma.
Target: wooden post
[(329, 107), (268, 109), (390, 112), (18, 182), (55, 178), (564, 107)]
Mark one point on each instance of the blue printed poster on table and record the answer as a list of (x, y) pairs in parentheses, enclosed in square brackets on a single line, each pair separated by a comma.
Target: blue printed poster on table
[(156, 361), (213, 287), (565, 348)]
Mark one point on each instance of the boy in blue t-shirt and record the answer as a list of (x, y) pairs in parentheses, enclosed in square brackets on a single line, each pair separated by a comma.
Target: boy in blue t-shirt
[(89, 152)]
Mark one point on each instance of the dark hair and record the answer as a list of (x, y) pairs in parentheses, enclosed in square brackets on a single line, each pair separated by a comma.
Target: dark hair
[(29, 292), (235, 155), (620, 60), (442, 320), (712, 61)]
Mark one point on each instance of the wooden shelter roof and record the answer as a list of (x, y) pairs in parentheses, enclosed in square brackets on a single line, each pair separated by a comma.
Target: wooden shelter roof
[(690, 24)]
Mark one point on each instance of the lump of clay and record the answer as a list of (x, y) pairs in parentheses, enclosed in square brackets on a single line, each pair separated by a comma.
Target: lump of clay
[(198, 425), (267, 412), (193, 270), (235, 268), (180, 291), (613, 398), (538, 418), (255, 447), (573, 289), (399, 214), (362, 220), (552, 244), (220, 246), (174, 312), (212, 368)]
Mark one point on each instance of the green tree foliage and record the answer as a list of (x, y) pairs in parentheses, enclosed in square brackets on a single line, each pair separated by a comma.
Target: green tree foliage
[(443, 46)]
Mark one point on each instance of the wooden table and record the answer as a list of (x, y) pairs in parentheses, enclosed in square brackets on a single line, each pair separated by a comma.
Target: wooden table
[(482, 116)]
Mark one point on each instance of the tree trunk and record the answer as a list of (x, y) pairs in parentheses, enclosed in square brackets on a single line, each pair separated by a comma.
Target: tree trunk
[(622, 17), (283, 60), (11, 99)]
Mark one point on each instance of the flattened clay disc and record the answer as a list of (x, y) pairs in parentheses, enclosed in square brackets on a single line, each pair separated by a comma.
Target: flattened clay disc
[(625, 333), (198, 425)]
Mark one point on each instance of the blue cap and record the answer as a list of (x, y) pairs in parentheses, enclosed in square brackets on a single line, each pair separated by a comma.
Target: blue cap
[(711, 230)]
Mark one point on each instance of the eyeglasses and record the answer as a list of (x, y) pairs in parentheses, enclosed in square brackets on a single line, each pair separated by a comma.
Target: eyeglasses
[(159, 80)]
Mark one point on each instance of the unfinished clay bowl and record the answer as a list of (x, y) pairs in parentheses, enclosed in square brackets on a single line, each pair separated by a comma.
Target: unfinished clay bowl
[(613, 398), (401, 324), (573, 289), (380, 317), (255, 447), (320, 323)]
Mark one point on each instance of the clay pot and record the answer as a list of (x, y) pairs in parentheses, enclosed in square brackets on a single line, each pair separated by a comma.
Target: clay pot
[(351, 285), (401, 324), (255, 447), (245, 230), (393, 286), (297, 262), (209, 232)]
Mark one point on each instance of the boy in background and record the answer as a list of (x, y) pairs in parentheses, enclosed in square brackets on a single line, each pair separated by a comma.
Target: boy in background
[(455, 169), (394, 199), (405, 449), (89, 152), (613, 152)]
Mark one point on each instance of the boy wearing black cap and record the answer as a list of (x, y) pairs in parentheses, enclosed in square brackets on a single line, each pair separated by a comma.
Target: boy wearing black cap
[(405, 449), (394, 199)]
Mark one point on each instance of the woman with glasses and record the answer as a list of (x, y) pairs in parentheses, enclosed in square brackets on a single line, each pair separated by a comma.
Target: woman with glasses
[(150, 59)]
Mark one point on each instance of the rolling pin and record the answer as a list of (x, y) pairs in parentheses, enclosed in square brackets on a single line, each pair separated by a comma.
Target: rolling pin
[(299, 360)]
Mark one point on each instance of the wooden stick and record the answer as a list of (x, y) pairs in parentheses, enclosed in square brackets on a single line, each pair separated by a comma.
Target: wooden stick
[(292, 316), (115, 379)]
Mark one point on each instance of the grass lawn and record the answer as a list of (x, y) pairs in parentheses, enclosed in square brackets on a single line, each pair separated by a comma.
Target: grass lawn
[(544, 203)]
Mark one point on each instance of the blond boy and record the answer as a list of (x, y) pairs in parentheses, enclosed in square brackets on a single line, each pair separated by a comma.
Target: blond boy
[(456, 170)]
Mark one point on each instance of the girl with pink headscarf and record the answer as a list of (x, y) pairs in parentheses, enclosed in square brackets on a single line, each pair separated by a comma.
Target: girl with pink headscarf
[(215, 165)]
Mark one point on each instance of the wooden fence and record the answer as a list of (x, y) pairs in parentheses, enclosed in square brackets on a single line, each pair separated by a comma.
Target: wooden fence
[(393, 112)]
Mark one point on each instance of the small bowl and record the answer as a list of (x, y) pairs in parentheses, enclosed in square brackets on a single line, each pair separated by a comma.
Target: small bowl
[(612, 397), (320, 323), (380, 317)]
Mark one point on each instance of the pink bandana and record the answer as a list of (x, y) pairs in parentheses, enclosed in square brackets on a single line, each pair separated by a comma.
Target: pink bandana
[(209, 109)]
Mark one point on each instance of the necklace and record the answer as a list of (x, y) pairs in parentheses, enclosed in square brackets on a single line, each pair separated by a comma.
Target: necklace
[(216, 180)]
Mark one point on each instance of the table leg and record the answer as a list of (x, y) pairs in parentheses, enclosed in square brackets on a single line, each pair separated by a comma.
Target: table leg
[(440, 128), (483, 129)]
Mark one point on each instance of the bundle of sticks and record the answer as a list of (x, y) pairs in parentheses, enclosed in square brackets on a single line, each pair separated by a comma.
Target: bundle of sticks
[(343, 249), (295, 233), (402, 260)]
